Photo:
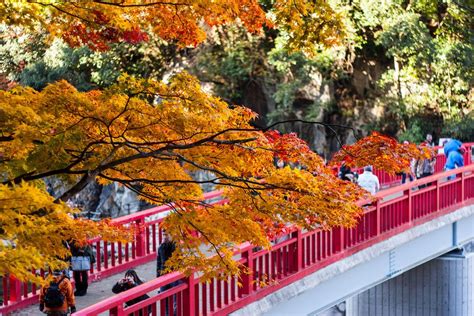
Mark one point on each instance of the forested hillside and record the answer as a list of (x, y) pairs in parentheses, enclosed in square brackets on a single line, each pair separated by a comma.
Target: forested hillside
[(403, 67)]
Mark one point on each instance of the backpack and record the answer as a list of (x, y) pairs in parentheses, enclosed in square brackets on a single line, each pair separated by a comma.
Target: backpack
[(54, 297)]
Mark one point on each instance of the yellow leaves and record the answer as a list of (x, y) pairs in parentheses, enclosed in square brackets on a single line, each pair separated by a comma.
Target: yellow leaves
[(150, 137), (309, 24), (34, 229)]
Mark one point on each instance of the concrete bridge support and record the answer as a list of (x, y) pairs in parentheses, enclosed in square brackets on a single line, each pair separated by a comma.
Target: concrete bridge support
[(443, 286)]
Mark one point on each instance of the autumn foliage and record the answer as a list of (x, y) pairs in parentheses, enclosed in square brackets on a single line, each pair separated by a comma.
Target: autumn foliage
[(150, 137), (34, 229), (382, 152), (98, 24)]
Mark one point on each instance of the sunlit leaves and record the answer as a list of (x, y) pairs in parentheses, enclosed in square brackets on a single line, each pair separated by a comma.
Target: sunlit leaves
[(149, 136), (34, 229), (308, 23), (97, 24), (381, 152)]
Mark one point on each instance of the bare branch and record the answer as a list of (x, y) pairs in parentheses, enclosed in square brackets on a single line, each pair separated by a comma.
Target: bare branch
[(141, 4)]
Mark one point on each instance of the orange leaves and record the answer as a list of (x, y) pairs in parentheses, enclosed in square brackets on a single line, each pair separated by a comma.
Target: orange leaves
[(155, 148), (382, 152), (291, 149), (117, 135), (98, 24), (287, 147)]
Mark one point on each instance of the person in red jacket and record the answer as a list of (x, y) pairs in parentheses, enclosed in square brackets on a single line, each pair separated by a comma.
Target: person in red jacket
[(57, 297)]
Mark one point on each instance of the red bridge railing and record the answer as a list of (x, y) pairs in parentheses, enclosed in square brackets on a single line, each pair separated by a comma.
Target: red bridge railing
[(301, 252)]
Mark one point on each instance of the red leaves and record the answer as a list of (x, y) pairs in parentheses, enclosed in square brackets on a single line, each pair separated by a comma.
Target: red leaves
[(382, 152), (286, 147), (80, 34), (134, 36)]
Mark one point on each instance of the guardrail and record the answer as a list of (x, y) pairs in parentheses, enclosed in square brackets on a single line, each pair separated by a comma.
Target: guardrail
[(302, 253), (114, 258)]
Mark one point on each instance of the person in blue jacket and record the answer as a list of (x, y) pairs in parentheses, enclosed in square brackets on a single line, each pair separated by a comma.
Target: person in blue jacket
[(451, 145), (455, 160)]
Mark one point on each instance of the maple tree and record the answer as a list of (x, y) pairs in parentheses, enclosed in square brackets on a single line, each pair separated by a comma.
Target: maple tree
[(149, 135)]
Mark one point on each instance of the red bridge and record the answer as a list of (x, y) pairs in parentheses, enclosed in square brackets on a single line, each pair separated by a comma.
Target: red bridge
[(398, 209)]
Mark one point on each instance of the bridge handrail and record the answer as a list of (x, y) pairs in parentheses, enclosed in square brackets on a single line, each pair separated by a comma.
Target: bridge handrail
[(305, 252), (17, 294), (158, 209)]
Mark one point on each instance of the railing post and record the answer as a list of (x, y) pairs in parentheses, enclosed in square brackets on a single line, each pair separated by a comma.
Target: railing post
[(298, 250), (410, 207), (462, 186), (140, 239), (377, 214), (468, 156), (117, 311), (98, 257), (15, 289), (438, 202), (247, 276), (189, 297)]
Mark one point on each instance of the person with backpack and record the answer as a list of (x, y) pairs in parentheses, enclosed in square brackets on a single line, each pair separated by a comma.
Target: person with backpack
[(81, 260), (450, 146), (57, 297)]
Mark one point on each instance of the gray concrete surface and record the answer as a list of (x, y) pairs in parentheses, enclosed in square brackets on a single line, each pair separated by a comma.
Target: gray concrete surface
[(443, 286)]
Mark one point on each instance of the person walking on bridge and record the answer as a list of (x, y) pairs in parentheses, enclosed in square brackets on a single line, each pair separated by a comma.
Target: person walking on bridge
[(369, 181), (57, 297), (425, 167), (455, 160), (81, 260), (164, 252), (450, 146)]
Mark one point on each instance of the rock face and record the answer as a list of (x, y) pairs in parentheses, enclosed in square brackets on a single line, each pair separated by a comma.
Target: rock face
[(116, 200), (347, 101), (97, 201)]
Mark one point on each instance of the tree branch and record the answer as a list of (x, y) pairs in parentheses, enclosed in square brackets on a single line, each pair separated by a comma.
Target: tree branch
[(6, 138), (141, 4)]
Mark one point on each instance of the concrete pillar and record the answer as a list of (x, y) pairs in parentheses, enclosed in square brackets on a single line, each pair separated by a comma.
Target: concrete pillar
[(443, 286)]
